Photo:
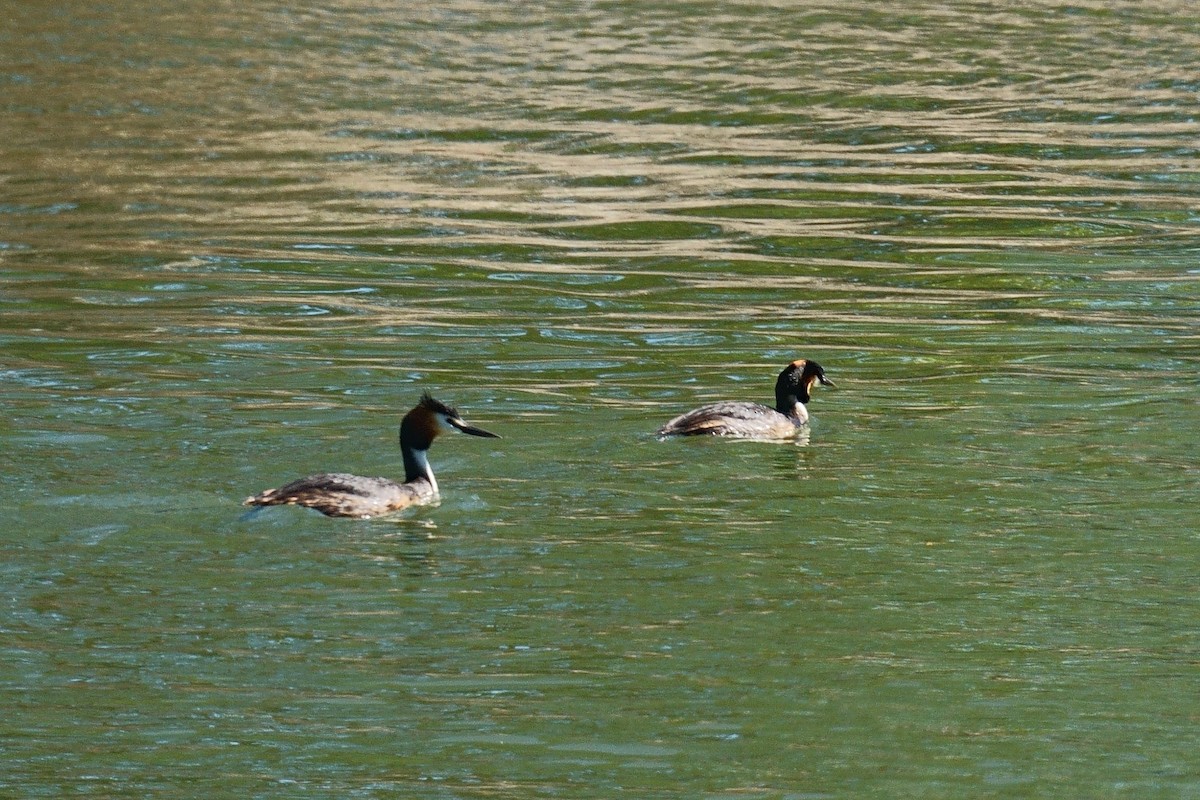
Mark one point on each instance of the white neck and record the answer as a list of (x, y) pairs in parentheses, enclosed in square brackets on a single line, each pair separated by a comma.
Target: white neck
[(420, 459)]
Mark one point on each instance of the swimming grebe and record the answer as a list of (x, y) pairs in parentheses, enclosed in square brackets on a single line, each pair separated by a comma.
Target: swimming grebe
[(753, 420), (342, 495)]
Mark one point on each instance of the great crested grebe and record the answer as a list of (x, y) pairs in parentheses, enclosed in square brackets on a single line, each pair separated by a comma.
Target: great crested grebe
[(753, 420), (342, 495)]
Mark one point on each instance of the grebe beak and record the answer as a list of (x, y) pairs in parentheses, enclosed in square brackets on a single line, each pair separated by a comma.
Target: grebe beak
[(825, 381), (463, 427)]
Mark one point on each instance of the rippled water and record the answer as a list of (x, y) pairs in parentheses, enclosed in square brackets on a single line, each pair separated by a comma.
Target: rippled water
[(237, 242)]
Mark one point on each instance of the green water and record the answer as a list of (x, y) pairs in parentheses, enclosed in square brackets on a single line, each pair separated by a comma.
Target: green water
[(237, 242)]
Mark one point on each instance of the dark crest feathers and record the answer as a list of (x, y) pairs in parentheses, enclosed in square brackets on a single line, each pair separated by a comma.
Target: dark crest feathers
[(437, 406)]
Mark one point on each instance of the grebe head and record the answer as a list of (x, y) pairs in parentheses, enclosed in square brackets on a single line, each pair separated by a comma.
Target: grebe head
[(795, 384), (420, 427), (430, 418)]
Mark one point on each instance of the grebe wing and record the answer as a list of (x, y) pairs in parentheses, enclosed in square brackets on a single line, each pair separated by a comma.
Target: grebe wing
[(339, 495), (730, 419)]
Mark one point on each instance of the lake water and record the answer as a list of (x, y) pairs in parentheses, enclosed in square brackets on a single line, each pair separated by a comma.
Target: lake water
[(237, 241)]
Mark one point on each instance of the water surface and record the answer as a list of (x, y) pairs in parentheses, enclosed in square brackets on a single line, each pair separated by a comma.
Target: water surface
[(236, 243)]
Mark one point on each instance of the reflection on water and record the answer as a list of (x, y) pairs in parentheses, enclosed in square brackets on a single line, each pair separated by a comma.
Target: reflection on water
[(238, 241)]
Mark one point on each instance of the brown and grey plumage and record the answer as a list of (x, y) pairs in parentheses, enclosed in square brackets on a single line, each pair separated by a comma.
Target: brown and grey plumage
[(793, 390), (340, 494)]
